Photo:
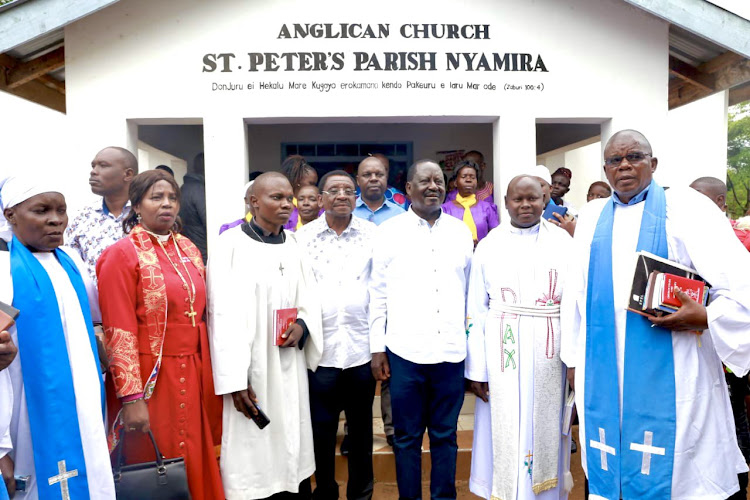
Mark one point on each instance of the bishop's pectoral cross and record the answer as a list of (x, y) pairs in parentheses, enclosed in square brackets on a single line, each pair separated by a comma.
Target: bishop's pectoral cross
[(62, 478), (191, 314), (281, 268)]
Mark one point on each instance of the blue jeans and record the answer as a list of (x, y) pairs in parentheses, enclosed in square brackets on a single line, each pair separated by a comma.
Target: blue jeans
[(425, 396)]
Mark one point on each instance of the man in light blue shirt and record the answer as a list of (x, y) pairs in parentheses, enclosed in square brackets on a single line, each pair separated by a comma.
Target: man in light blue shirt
[(372, 179), (371, 205)]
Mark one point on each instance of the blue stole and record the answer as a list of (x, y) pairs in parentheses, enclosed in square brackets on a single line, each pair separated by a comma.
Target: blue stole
[(47, 378), (634, 460), (3, 491)]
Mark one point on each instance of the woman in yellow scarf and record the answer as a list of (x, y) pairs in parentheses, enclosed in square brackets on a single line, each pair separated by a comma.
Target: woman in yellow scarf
[(479, 215)]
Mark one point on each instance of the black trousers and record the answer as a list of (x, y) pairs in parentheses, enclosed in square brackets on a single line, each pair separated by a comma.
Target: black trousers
[(353, 391)]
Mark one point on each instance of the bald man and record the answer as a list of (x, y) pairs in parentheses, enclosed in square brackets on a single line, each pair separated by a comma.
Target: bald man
[(517, 280), (99, 224), (391, 193), (372, 180), (655, 418), (257, 278), (714, 188)]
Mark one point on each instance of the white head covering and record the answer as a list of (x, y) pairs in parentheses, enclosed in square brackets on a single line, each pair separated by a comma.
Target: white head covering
[(541, 172), (15, 190), (247, 186)]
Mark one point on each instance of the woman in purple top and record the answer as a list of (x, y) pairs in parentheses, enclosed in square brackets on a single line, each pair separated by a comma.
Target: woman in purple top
[(300, 174), (479, 215)]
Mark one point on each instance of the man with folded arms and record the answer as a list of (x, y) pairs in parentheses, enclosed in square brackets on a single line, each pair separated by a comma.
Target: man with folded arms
[(339, 247), (655, 419), (417, 328)]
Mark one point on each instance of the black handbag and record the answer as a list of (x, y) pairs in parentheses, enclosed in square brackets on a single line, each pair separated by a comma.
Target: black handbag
[(165, 479)]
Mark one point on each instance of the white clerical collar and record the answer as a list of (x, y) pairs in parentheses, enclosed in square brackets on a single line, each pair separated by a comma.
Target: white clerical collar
[(523, 231), (161, 237)]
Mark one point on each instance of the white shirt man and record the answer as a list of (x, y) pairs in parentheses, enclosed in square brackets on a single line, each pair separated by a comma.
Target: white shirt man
[(417, 315), (339, 249)]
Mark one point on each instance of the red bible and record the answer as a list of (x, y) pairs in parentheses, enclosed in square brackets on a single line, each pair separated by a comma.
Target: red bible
[(695, 289), (282, 320)]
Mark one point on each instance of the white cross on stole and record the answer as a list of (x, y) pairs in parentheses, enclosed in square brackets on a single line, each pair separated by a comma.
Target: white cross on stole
[(601, 445), (647, 450), (62, 478)]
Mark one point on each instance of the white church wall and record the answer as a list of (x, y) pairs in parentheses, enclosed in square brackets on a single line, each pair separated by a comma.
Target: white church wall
[(696, 145), (587, 164), (142, 60), (35, 140), (150, 157)]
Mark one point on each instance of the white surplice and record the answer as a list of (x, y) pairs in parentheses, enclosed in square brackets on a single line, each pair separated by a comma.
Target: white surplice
[(513, 265), (84, 370), (6, 412), (247, 281), (707, 458)]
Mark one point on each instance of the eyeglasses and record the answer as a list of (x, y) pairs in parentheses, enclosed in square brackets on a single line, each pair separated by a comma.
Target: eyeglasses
[(636, 156), (339, 192)]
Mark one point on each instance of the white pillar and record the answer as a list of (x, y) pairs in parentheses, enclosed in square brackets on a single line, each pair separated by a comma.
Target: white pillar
[(514, 151), (225, 149)]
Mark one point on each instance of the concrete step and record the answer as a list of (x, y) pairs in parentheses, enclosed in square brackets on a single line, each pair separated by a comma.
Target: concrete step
[(384, 462)]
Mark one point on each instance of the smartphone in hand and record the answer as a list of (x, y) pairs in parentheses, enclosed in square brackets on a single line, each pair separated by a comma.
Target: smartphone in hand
[(260, 419)]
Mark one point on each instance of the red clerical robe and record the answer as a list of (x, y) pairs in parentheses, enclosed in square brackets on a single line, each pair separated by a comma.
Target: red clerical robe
[(185, 414)]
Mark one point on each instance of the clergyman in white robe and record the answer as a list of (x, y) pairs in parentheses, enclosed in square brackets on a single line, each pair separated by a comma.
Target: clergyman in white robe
[(247, 281), (516, 282), (706, 457), (82, 365)]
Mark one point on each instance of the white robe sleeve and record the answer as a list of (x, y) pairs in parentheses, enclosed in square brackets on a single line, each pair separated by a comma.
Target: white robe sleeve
[(6, 412), (378, 290), (231, 317), (309, 310), (572, 310), (573, 303), (719, 257), (477, 307)]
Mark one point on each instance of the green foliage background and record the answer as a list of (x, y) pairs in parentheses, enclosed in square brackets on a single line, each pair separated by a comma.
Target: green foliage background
[(738, 160)]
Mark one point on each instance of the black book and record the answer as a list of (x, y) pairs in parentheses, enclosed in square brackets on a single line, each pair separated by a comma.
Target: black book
[(647, 264)]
